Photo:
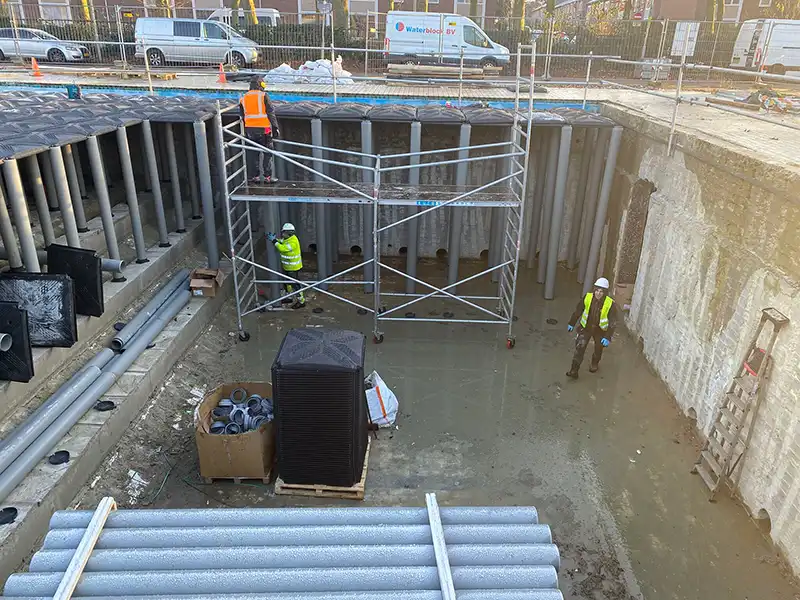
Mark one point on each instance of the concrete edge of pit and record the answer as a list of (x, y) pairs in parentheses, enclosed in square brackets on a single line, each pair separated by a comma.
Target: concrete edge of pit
[(49, 488)]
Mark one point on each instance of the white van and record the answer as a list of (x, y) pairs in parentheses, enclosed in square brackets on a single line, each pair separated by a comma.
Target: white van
[(265, 16), (418, 37), (773, 44), (192, 41)]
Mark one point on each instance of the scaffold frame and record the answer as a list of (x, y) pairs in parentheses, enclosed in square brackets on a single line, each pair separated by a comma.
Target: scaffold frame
[(238, 200)]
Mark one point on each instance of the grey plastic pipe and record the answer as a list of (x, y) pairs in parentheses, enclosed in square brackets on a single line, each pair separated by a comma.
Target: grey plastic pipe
[(132, 328), (602, 209), (7, 235), (457, 212), (557, 216), (317, 535), (5, 342), (28, 459), (261, 517), (367, 241), (241, 581), (24, 435), (548, 196), (155, 184), (540, 594), (296, 557), (206, 194), (19, 210), (40, 199), (106, 264)]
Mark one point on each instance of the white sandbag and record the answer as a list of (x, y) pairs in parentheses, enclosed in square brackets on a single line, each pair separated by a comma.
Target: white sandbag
[(381, 401)]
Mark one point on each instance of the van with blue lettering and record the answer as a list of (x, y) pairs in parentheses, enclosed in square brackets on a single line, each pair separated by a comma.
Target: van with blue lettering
[(440, 38)]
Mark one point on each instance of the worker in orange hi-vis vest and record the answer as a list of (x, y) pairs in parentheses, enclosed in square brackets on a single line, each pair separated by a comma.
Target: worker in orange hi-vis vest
[(261, 126)]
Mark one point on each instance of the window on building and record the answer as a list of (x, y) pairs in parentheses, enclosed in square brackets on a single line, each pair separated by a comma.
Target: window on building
[(186, 29), (733, 2), (764, 3)]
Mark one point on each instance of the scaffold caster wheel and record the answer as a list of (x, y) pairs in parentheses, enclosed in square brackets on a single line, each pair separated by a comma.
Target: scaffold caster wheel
[(378, 339), (244, 336), (510, 343)]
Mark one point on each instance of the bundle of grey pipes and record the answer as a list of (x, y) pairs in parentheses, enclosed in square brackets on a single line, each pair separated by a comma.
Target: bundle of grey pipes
[(494, 553), (26, 445)]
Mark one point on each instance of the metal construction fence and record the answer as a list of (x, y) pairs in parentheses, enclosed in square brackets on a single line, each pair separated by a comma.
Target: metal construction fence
[(108, 33)]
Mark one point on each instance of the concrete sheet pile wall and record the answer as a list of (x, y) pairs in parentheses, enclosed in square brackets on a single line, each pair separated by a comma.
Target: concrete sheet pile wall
[(720, 241)]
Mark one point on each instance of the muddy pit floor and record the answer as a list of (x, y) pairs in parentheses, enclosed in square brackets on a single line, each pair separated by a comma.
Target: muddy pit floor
[(605, 459)]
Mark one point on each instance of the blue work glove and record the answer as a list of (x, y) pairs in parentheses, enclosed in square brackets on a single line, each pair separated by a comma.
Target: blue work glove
[(605, 342), (272, 237), (570, 328)]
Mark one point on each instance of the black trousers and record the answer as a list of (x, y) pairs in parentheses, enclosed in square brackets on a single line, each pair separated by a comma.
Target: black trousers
[(259, 164), (582, 342)]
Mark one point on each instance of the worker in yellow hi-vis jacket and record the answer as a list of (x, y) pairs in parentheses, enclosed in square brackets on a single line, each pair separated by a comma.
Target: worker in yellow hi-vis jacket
[(595, 317), (288, 247)]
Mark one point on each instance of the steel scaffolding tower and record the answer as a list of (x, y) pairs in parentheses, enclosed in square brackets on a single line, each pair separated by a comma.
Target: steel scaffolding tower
[(507, 192)]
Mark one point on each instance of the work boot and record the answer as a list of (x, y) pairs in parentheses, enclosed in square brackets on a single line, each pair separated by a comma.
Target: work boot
[(593, 367), (286, 300), (270, 179), (572, 373), (297, 305)]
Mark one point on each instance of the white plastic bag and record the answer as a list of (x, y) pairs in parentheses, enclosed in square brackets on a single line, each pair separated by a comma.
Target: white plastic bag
[(381, 401)]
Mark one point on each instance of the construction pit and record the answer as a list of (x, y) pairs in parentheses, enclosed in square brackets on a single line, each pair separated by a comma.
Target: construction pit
[(696, 242)]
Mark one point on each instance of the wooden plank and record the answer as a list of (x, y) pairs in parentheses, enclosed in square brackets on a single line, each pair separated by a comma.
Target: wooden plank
[(733, 103), (84, 550), (239, 480), (440, 549), (354, 492)]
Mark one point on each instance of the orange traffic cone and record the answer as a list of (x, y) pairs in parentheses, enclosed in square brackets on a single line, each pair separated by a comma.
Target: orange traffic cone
[(221, 78), (35, 65)]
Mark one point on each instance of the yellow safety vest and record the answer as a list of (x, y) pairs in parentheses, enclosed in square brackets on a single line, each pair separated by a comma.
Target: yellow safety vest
[(255, 110), (291, 260), (587, 304)]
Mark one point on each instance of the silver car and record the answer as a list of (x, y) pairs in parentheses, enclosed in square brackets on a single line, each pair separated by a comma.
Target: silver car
[(35, 43), (197, 41)]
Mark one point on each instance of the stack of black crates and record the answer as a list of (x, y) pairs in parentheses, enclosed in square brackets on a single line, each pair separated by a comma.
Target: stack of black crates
[(320, 408)]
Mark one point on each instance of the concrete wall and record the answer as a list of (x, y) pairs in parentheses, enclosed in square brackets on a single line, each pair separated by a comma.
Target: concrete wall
[(720, 241)]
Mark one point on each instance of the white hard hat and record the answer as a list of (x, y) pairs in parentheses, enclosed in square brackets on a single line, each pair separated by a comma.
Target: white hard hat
[(287, 227), (601, 283)]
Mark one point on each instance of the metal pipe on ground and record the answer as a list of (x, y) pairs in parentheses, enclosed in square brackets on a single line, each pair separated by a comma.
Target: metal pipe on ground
[(457, 213), (295, 557), (43, 444), (127, 333), (155, 184), (175, 181), (49, 180), (219, 537), (320, 210), (59, 174), (256, 517), (8, 236), (595, 175), (589, 137), (602, 209), (22, 220), (25, 434), (367, 244), (557, 219), (40, 198), (103, 200), (191, 170), (412, 247), (540, 594), (264, 581), (547, 201), (206, 194), (106, 264), (132, 198), (74, 189)]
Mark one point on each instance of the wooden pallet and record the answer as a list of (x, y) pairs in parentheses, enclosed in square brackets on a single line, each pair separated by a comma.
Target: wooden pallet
[(238, 480), (355, 492)]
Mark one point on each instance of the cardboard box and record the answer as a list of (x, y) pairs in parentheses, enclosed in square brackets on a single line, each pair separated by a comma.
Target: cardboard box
[(246, 455), (205, 282)]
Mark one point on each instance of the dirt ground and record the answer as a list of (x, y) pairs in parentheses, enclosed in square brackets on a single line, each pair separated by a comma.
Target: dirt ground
[(605, 459)]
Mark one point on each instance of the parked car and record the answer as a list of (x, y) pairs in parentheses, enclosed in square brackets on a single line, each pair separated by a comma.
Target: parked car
[(417, 37), (35, 43), (265, 16), (192, 41), (773, 44)]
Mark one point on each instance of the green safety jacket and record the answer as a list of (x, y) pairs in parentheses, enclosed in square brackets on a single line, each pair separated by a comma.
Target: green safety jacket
[(289, 249), (587, 304)]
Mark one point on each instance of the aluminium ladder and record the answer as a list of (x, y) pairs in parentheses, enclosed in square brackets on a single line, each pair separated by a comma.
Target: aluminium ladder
[(731, 432)]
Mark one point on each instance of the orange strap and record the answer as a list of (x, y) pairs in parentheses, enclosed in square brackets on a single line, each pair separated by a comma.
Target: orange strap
[(380, 399)]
